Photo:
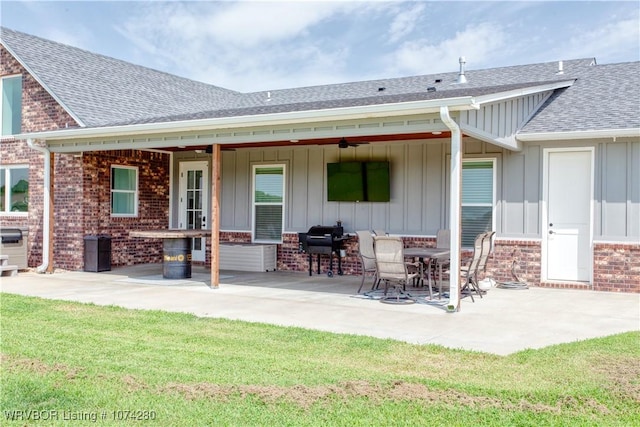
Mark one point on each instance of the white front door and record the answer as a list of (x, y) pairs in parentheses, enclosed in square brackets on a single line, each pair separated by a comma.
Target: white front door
[(194, 206), (567, 228)]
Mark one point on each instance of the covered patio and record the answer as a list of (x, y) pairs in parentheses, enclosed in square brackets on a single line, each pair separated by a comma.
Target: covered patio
[(503, 322)]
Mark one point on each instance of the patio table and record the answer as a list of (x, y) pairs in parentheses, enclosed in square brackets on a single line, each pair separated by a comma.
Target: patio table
[(176, 247), (428, 256)]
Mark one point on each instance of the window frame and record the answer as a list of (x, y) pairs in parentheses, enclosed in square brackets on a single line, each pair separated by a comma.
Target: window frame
[(254, 204), (3, 133), (494, 190), (134, 192), (6, 169)]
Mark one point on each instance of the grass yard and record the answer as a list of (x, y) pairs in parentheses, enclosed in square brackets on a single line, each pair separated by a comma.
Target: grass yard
[(68, 363)]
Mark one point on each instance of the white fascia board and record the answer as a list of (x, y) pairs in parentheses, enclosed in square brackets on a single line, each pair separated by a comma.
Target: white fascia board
[(44, 85), (501, 96), (344, 113), (581, 134)]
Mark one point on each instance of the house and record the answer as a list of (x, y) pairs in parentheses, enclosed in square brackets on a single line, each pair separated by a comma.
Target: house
[(547, 155)]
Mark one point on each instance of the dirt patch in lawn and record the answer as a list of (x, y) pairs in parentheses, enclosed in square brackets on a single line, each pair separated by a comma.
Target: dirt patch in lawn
[(11, 363), (623, 375), (624, 379), (306, 396)]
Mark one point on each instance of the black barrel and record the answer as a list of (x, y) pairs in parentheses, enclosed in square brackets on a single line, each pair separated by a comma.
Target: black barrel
[(176, 258)]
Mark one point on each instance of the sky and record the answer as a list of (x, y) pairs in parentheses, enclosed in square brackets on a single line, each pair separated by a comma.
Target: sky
[(261, 45)]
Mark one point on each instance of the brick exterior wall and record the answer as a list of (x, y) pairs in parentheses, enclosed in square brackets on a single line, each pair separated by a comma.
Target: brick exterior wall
[(616, 267), (40, 112), (68, 222), (521, 257), (95, 203)]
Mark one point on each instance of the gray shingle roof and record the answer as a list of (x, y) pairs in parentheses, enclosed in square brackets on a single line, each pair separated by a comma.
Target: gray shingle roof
[(603, 97), (100, 90), (104, 91), (493, 77), (262, 106)]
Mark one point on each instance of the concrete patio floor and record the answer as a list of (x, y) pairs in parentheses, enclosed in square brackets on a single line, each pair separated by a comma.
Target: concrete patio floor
[(503, 322)]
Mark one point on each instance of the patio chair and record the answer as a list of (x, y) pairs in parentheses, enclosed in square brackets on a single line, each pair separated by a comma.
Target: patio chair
[(393, 269), (481, 251), (439, 265), (367, 257), (487, 250), (380, 232)]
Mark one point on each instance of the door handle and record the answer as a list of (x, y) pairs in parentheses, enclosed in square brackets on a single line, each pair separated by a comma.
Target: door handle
[(550, 231)]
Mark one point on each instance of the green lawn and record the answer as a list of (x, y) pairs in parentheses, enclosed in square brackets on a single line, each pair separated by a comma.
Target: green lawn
[(64, 361)]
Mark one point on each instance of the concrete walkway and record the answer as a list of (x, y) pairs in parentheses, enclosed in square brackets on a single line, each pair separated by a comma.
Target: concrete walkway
[(503, 322)]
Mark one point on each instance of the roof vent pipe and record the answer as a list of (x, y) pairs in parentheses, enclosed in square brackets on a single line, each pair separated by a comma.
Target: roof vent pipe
[(560, 68), (461, 77)]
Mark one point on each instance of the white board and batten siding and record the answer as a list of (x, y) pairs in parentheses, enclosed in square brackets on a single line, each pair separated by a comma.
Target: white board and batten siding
[(416, 179), (503, 119)]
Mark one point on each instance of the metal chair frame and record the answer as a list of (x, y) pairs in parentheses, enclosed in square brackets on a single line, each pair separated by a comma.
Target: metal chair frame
[(392, 268), (367, 256)]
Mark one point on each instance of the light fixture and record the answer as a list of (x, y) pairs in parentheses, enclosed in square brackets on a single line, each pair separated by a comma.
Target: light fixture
[(294, 140), (436, 132)]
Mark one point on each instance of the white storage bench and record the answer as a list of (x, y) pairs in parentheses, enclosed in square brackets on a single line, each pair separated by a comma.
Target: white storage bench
[(247, 257)]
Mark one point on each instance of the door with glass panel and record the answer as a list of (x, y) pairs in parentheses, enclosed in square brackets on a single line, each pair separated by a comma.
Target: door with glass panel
[(194, 206)]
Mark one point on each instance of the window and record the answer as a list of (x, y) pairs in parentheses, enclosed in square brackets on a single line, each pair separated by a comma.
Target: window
[(14, 189), (477, 198), (124, 191), (268, 203), (11, 106)]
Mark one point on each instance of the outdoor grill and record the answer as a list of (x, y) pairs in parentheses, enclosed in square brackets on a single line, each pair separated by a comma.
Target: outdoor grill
[(323, 240)]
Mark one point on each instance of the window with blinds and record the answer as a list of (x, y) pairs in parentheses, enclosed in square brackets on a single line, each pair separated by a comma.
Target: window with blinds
[(124, 191), (477, 198), (268, 203)]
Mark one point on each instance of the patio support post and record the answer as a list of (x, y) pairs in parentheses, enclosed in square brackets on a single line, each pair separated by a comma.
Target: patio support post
[(49, 248), (216, 165), (454, 208)]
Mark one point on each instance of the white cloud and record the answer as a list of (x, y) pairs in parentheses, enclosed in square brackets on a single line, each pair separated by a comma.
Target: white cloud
[(250, 46), (609, 43), (478, 43), (405, 22), (243, 45), (255, 23)]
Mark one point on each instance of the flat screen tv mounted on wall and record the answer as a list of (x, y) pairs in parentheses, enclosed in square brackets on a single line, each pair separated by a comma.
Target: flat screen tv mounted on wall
[(358, 182)]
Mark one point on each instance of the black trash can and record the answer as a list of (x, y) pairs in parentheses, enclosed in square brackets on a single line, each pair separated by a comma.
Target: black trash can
[(97, 253)]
